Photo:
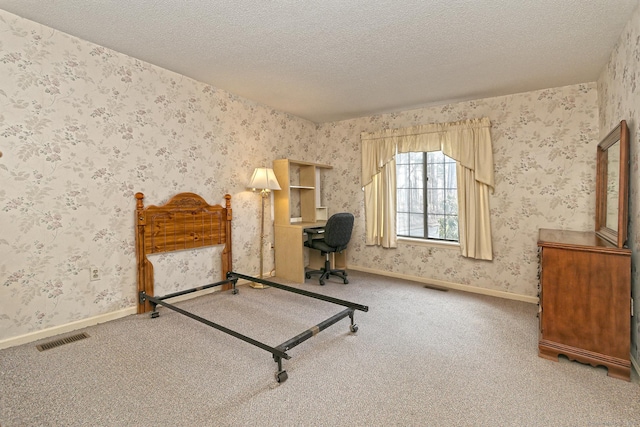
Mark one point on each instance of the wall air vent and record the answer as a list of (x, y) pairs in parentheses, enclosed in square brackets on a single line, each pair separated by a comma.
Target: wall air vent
[(62, 341)]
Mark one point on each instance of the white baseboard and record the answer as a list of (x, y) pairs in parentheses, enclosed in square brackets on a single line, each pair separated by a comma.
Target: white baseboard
[(449, 285), (634, 364), (63, 329), (92, 321)]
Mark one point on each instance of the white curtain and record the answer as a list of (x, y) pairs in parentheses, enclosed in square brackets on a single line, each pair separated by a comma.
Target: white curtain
[(380, 219), (468, 142)]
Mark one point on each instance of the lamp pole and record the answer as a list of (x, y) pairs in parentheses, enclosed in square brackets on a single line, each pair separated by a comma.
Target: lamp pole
[(263, 179), (263, 195)]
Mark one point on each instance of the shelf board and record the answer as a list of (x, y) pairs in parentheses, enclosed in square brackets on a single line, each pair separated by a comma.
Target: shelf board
[(302, 187), (303, 163)]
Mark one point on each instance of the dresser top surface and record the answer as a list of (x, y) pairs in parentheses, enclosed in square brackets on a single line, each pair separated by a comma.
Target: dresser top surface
[(568, 238)]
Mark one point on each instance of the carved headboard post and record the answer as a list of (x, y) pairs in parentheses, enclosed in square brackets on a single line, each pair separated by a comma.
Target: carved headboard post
[(144, 268), (227, 255)]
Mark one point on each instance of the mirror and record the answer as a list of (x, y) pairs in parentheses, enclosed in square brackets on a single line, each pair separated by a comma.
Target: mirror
[(612, 186)]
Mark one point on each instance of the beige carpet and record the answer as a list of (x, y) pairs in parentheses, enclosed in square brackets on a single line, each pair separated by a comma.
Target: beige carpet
[(420, 357)]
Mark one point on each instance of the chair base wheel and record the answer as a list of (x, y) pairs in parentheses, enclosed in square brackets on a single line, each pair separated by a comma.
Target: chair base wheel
[(327, 274), (281, 376)]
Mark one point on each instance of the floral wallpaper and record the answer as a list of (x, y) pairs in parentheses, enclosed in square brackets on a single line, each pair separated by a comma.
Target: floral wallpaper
[(619, 99), (82, 129), (544, 146)]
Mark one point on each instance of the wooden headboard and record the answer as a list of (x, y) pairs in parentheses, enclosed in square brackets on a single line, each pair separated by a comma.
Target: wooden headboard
[(186, 221)]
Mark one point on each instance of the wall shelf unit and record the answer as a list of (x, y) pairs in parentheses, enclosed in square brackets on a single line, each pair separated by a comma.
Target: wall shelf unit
[(300, 197), (298, 205)]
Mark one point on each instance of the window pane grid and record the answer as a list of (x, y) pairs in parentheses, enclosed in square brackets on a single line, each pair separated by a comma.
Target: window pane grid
[(427, 204)]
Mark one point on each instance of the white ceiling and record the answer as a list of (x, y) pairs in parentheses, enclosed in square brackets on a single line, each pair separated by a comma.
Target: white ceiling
[(327, 60)]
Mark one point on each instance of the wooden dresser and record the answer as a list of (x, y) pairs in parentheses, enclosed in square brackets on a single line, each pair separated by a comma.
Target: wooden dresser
[(585, 300)]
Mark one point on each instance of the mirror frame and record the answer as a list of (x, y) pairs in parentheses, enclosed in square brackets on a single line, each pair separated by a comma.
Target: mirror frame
[(616, 237)]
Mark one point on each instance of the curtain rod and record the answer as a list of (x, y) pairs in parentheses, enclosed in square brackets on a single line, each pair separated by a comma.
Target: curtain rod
[(478, 123)]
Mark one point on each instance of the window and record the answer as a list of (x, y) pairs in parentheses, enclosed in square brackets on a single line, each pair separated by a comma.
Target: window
[(427, 199)]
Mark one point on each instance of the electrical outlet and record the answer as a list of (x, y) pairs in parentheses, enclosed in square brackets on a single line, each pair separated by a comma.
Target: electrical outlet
[(95, 273)]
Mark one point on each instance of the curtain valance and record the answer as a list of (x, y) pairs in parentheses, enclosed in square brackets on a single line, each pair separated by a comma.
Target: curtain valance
[(468, 142)]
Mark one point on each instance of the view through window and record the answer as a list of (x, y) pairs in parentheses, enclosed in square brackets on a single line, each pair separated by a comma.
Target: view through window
[(427, 200)]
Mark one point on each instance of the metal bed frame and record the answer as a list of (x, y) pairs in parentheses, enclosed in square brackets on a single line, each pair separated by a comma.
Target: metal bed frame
[(187, 221), (278, 352)]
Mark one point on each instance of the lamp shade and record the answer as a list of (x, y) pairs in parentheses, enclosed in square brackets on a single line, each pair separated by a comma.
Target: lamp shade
[(264, 179)]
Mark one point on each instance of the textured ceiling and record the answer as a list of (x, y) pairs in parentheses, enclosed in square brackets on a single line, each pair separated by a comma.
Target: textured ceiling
[(327, 60)]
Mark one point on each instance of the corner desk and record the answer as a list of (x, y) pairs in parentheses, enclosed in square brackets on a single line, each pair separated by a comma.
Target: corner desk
[(297, 206), (291, 261)]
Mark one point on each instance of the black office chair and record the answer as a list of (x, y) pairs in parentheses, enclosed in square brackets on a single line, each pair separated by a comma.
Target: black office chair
[(337, 233)]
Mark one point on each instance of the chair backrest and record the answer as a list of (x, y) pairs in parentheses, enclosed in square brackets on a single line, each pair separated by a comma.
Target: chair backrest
[(337, 231)]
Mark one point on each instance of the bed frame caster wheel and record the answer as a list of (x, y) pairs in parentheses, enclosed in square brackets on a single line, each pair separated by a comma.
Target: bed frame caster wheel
[(346, 281), (155, 314), (307, 276), (235, 292), (353, 328), (281, 376)]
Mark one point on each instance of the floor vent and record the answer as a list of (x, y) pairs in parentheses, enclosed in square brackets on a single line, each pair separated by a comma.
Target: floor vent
[(436, 288), (62, 341)]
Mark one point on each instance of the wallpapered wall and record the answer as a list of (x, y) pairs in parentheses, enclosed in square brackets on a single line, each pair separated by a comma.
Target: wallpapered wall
[(83, 128), (619, 99), (544, 146)]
